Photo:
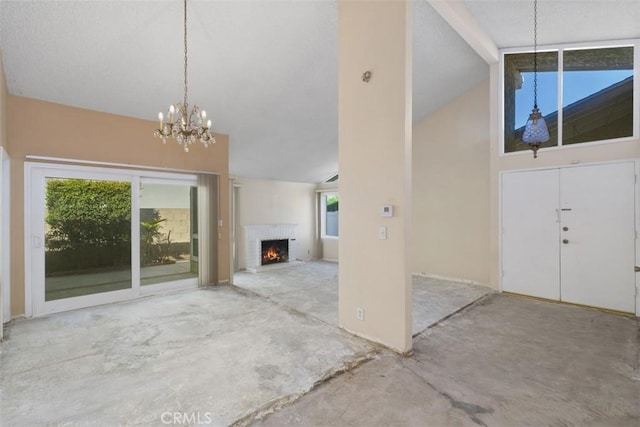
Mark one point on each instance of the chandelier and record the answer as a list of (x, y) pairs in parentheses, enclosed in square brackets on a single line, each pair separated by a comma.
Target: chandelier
[(185, 125), (535, 131)]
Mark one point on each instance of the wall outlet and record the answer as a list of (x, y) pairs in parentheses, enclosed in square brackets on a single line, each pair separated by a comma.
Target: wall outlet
[(360, 313)]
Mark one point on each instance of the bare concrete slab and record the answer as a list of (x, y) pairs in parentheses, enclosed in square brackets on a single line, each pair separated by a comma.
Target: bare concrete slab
[(214, 353), (312, 288), (507, 361), (435, 299)]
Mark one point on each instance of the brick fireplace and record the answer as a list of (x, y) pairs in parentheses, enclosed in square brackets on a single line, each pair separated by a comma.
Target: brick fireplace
[(278, 236)]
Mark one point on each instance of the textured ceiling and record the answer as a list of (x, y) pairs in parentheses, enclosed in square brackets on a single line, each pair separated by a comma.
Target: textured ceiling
[(265, 71), (510, 22)]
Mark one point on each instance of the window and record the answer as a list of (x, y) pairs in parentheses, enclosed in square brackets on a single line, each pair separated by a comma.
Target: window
[(585, 94), (329, 204)]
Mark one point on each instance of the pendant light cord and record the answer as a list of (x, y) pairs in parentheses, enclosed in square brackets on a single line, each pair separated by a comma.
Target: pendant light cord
[(535, 53)]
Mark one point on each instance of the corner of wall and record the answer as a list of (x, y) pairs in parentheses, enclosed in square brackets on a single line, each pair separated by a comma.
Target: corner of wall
[(451, 189)]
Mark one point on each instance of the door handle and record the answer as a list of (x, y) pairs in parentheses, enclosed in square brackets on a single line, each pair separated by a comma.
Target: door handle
[(637, 269), (565, 241), (36, 242)]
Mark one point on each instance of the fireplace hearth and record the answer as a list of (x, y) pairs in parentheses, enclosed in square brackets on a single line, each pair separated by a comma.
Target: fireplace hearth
[(275, 251)]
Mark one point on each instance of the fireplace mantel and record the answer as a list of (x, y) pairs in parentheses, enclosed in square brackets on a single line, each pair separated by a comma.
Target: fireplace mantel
[(255, 234)]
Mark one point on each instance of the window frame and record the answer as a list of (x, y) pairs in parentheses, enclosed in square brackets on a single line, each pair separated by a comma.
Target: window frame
[(35, 174), (560, 48), (323, 214)]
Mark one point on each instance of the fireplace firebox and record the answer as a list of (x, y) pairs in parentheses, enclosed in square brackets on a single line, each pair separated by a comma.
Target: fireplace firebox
[(275, 251)]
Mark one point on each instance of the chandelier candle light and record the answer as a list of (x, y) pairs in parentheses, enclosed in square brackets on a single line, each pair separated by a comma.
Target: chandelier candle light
[(184, 125), (535, 131)]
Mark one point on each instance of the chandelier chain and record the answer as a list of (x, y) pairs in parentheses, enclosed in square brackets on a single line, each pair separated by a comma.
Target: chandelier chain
[(185, 57), (535, 53)]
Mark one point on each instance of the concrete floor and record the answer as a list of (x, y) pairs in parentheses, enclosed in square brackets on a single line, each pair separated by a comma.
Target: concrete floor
[(214, 352), (312, 288), (226, 356), (507, 361)]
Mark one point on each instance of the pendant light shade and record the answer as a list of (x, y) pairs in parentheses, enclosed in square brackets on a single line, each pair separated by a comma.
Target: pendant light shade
[(536, 131)]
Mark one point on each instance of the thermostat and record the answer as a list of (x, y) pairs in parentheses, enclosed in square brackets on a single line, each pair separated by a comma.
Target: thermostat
[(387, 211)]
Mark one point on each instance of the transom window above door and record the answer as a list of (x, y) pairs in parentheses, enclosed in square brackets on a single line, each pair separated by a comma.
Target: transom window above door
[(586, 93)]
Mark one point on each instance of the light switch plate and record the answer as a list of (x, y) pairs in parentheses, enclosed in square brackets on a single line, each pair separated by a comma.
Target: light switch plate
[(382, 233)]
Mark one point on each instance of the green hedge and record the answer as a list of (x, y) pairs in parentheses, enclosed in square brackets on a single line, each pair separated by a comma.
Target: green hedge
[(89, 224), (332, 203)]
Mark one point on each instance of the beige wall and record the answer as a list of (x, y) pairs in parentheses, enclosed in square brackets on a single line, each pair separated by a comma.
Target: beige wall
[(330, 248), (3, 106), (375, 169), (450, 234), (524, 160), (278, 202), (47, 129), (177, 221)]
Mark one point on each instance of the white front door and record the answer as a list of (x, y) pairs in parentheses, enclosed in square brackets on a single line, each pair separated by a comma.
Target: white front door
[(530, 233), (598, 235), (568, 234)]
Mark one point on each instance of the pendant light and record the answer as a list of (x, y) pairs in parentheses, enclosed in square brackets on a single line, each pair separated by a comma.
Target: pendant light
[(185, 125), (535, 131)]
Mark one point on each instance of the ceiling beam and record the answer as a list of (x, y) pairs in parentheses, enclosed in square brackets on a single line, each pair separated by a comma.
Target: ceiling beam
[(460, 19)]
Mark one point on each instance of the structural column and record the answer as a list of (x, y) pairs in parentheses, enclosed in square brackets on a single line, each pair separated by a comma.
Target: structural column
[(375, 170)]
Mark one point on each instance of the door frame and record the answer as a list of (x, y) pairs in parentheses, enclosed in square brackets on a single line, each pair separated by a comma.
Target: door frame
[(636, 162), (34, 174)]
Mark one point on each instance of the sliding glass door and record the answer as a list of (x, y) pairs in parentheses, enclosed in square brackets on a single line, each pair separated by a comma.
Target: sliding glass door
[(98, 235), (167, 232), (87, 237)]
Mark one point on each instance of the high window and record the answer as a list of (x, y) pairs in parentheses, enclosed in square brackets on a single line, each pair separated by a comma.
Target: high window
[(586, 94)]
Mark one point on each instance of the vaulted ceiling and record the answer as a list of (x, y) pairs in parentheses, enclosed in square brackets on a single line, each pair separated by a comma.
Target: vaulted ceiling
[(265, 71)]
